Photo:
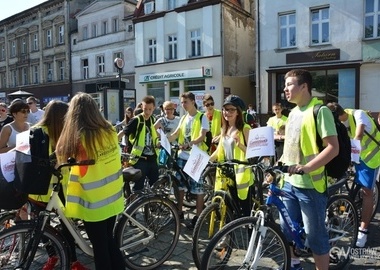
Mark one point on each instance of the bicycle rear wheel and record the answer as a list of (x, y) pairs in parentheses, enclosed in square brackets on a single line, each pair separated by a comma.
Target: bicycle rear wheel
[(154, 214), (14, 242), (342, 227), (228, 249), (208, 224)]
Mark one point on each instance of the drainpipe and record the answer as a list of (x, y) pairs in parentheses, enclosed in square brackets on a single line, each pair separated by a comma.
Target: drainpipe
[(258, 88)]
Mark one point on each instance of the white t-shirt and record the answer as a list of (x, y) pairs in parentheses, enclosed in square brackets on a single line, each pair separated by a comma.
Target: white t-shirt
[(35, 117), (361, 117)]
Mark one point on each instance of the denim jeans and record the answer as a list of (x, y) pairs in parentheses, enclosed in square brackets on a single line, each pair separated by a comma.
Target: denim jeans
[(311, 209)]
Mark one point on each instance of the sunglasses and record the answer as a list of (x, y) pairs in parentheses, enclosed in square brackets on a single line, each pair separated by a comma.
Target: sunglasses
[(24, 111), (3, 110), (209, 104), (230, 110), (30, 103)]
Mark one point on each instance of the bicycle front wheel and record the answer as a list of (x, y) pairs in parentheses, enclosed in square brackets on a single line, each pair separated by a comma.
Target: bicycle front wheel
[(148, 232), (342, 227), (210, 221), (14, 253), (245, 244)]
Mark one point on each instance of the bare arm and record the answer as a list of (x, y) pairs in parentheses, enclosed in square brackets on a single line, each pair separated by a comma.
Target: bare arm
[(359, 132), (4, 137)]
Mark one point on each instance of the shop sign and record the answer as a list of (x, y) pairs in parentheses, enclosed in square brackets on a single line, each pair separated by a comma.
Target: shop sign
[(176, 75), (316, 56)]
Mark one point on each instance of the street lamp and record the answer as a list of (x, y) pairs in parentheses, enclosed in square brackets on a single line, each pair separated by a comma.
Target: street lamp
[(119, 64)]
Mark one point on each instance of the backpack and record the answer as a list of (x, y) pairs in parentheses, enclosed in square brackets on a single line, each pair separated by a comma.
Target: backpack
[(208, 137), (250, 119), (338, 166), (33, 172)]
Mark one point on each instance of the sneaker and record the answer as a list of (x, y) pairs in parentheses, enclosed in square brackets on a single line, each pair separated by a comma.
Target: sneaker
[(78, 266), (362, 238), (50, 264), (192, 223)]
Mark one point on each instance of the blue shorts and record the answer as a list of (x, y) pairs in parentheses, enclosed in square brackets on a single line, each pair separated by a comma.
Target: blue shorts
[(195, 187), (365, 176), (311, 209)]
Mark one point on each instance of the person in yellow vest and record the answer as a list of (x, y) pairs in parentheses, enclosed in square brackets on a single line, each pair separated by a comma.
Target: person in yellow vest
[(95, 192), (232, 145), (277, 122), (214, 117), (362, 127), (301, 153), (191, 131), (143, 139)]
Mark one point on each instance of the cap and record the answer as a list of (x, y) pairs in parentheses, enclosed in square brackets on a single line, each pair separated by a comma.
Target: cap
[(234, 101)]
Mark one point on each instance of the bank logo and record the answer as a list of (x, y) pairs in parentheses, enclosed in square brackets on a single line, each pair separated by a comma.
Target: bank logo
[(146, 78)]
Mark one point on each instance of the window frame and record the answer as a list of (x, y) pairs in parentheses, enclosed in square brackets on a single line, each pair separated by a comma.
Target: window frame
[(172, 47), (375, 14), (49, 41), (288, 26), (49, 72), (319, 23), (85, 69), (100, 61), (152, 50), (35, 42), (195, 43), (36, 74), (61, 34), (104, 27)]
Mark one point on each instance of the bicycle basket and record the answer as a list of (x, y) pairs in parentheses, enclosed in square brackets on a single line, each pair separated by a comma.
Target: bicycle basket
[(32, 174)]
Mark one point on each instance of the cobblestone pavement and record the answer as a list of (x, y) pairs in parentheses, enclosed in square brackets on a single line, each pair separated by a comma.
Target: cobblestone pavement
[(182, 259)]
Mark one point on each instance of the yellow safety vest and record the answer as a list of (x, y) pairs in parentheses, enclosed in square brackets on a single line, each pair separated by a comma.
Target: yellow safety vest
[(370, 153), (137, 148), (243, 175), (309, 147), (216, 123), (95, 192), (196, 130)]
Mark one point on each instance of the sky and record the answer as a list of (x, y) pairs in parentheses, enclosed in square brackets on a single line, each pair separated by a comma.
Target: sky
[(11, 7)]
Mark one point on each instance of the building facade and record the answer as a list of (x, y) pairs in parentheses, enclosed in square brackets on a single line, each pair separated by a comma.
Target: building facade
[(35, 50), (105, 32), (338, 41), (198, 46)]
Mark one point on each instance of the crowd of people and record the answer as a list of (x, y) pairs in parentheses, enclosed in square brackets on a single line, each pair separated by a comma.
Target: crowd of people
[(79, 130)]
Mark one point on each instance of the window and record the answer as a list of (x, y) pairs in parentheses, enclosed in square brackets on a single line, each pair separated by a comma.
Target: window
[(85, 68), (61, 34), (35, 74), (287, 30), (152, 46), (172, 43), (94, 30), (14, 77), (49, 72), (48, 38), (2, 52), (100, 60), (195, 38), (13, 48), (320, 26), (61, 66), (35, 42), (172, 4), (25, 80), (115, 25), (148, 7), (104, 27), (85, 33), (372, 19), (2, 80), (23, 46)]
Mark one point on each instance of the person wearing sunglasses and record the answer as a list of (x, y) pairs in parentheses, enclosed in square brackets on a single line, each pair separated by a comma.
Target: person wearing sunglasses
[(19, 110), (214, 117), (4, 117), (35, 114)]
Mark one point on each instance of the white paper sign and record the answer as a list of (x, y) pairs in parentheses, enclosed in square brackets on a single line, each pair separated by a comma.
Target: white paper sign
[(164, 141), (7, 161), (355, 150), (22, 142), (196, 163), (260, 142)]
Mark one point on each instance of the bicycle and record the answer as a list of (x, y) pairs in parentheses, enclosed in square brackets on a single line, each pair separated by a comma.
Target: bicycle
[(224, 206), (148, 224), (257, 242), (168, 183)]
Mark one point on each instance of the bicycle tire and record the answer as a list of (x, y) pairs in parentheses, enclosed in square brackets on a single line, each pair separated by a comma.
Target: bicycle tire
[(203, 232), (160, 215), (13, 242), (342, 224), (358, 199), (228, 248), (7, 220), (168, 187)]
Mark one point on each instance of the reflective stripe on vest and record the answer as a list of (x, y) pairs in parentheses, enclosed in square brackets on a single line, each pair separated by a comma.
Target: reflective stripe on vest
[(243, 174), (97, 184), (95, 205), (370, 152), (309, 147)]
